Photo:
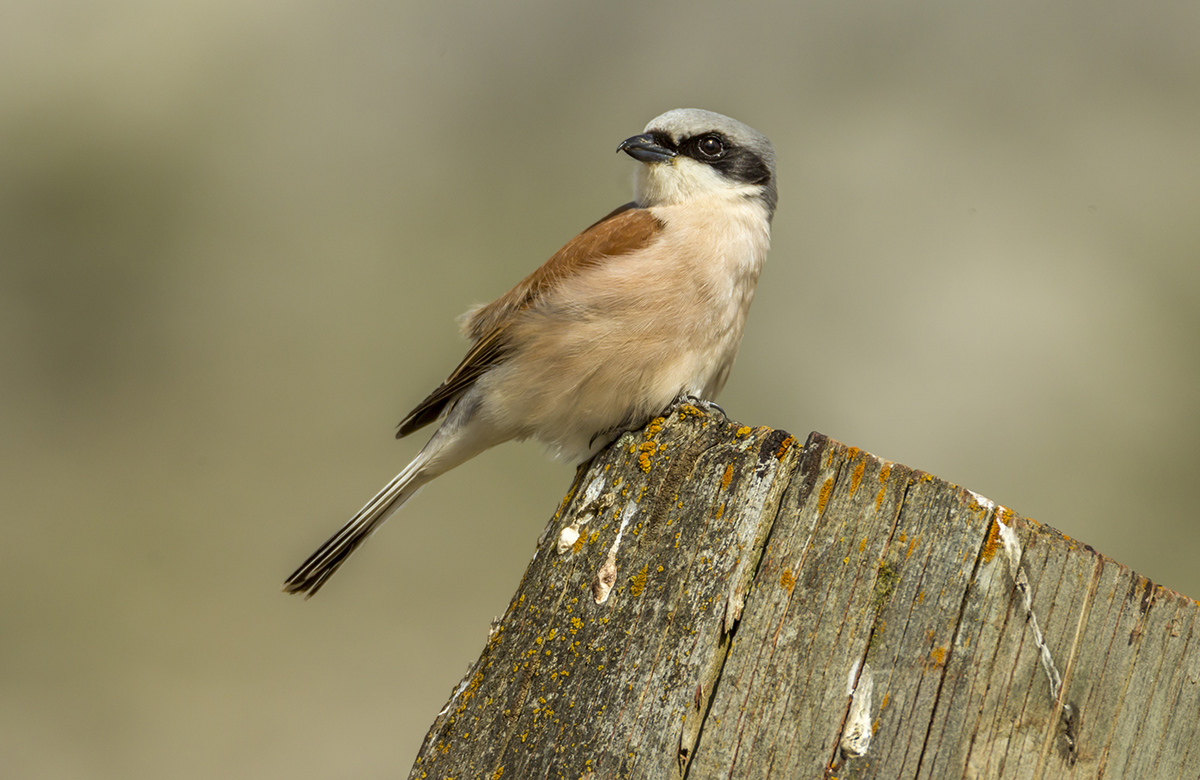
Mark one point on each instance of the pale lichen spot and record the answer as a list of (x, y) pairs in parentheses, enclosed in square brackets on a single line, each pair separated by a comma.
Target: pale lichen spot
[(567, 538)]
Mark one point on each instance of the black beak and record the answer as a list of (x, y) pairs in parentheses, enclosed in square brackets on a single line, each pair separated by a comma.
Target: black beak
[(643, 149)]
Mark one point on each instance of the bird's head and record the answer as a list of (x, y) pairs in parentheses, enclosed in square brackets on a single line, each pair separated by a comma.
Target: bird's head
[(689, 154)]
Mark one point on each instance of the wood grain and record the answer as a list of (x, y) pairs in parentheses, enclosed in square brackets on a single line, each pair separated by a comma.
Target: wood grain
[(721, 591)]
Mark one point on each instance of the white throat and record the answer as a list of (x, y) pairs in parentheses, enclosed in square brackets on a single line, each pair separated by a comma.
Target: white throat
[(683, 179)]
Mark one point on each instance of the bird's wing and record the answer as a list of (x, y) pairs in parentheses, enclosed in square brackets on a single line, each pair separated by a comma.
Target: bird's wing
[(625, 230)]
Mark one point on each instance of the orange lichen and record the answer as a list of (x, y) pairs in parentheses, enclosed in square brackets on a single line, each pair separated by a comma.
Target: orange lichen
[(784, 446), (787, 581), (727, 477), (823, 498), (990, 544), (645, 451), (856, 477), (937, 658)]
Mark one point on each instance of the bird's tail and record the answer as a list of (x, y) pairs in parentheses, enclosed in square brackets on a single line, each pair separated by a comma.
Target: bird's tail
[(321, 565)]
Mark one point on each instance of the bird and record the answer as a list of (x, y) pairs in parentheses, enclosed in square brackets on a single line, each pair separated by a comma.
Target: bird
[(643, 308)]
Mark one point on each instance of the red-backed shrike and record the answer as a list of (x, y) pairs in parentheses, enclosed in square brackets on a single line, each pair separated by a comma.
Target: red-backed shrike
[(643, 307)]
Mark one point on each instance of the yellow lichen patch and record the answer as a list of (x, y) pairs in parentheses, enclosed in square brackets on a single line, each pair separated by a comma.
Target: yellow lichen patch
[(655, 426), (911, 546), (578, 545), (937, 658), (856, 477), (469, 693), (645, 451), (787, 581), (720, 512), (743, 431), (727, 477), (686, 409), (884, 473), (989, 544), (886, 697), (862, 545), (784, 446), (499, 773), (823, 498), (637, 583)]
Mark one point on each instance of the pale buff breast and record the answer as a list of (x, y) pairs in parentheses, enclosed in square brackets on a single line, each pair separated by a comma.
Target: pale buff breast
[(617, 343)]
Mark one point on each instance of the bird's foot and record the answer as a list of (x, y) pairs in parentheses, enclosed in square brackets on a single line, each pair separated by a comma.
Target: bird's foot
[(684, 399)]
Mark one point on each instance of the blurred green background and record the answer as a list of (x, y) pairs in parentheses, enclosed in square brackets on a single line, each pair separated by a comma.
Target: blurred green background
[(234, 238)]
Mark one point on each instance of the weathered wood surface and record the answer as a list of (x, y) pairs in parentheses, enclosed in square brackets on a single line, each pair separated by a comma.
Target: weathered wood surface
[(709, 595)]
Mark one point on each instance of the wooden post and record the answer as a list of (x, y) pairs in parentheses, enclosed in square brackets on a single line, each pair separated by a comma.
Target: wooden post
[(713, 600)]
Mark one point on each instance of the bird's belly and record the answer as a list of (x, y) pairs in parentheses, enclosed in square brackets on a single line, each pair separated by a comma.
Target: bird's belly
[(576, 377)]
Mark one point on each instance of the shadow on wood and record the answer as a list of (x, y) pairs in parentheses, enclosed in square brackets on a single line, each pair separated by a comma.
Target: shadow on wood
[(713, 600)]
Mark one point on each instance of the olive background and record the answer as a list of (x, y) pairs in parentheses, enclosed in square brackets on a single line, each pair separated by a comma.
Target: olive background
[(234, 238)]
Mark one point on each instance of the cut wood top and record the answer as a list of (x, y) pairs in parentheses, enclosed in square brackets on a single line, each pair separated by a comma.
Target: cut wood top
[(713, 600)]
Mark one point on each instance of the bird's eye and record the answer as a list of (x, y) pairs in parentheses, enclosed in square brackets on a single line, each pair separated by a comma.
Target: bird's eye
[(711, 146)]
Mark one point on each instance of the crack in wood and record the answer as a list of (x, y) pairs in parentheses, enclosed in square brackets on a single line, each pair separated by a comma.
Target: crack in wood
[(834, 762), (980, 554), (729, 631)]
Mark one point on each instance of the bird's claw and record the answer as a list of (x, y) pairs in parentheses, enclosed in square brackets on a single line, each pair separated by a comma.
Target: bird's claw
[(697, 401)]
